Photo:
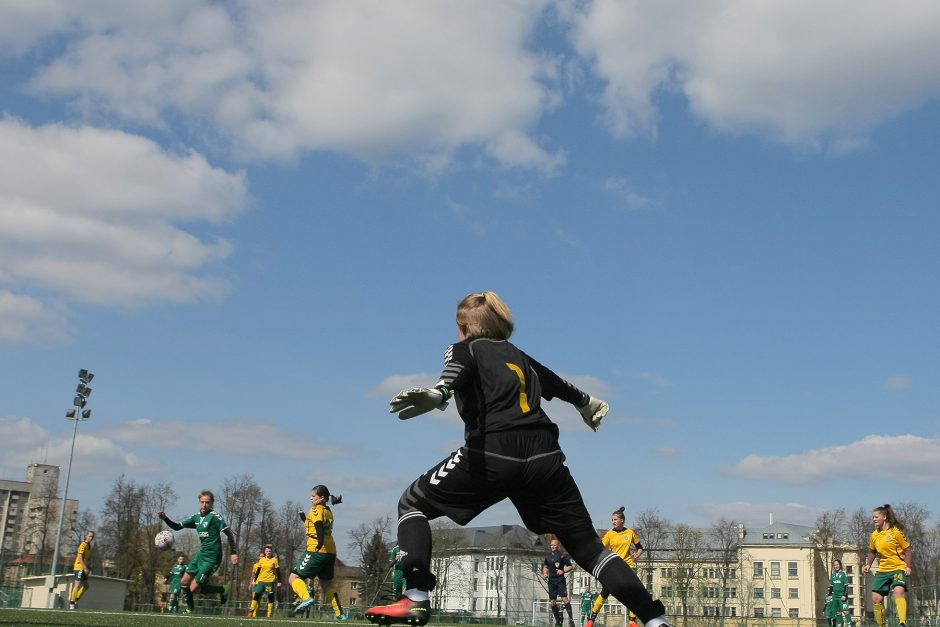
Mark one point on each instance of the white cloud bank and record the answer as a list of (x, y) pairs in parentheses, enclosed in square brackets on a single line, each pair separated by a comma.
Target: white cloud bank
[(91, 215), (901, 458), (369, 79), (799, 71)]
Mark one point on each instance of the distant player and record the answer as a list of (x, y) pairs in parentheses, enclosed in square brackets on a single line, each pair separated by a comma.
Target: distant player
[(621, 541), (82, 556), (320, 558), (830, 604), (265, 579), (839, 580), (587, 600), (175, 577), (210, 526), (398, 577), (556, 565)]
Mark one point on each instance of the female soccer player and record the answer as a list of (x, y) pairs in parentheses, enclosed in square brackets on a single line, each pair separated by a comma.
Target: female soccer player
[(82, 556), (265, 579), (320, 557), (210, 526), (838, 580), (511, 451), (894, 566), (175, 579), (621, 541)]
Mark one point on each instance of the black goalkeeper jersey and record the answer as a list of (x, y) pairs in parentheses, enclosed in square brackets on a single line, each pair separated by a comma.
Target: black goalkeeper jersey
[(497, 387)]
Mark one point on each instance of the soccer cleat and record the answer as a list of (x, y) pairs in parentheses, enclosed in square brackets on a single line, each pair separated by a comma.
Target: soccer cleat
[(71, 606), (223, 598), (405, 612), (342, 616), (300, 607), (187, 611), (590, 623)]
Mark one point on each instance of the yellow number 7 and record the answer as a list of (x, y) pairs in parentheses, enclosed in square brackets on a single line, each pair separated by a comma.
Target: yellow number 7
[(523, 400)]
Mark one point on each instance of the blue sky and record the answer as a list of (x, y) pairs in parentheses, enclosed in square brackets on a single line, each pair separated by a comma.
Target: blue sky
[(253, 222)]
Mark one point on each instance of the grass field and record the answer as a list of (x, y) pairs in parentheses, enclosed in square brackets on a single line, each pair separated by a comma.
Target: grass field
[(130, 619)]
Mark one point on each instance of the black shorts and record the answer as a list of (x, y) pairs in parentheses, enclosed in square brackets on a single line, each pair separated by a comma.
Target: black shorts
[(557, 588), (524, 465)]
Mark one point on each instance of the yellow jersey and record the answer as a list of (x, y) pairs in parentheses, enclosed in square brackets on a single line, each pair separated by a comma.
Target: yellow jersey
[(620, 542), (320, 513), (889, 544), (267, 568), (82, 556)]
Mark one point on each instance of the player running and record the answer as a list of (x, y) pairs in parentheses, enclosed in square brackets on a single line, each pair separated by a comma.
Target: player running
[(82, 556), (621, 541), (320, 557), (265, 579), (511, 451), (210, 526)]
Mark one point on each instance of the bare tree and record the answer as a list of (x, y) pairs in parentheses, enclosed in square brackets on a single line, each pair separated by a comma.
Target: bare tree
[(449, 542), (913, 518), (120, 533), (156, 498), (242, 504), (289, 537), (40, 528), (688, 548), (858, 534), (653, 530), (726, 550)]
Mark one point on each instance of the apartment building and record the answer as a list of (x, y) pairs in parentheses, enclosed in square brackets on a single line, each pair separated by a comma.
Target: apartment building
[(29, 515)]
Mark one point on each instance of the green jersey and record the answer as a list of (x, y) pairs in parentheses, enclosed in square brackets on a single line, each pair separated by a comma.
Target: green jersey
[(839, 580), (393, 558), (587, 600), (209, 528), (176, 573)]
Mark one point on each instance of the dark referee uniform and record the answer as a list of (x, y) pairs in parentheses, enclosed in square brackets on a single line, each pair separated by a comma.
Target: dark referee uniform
[(511, 451)]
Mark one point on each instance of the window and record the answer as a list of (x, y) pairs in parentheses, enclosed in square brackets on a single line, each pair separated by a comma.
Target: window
[(775, 569), (733, 573), (476, 584), (793, 593), (775, 593), (776, 612), (731, 593), (758, 569), (731, 611), (792, 572), (667, 592), (476, 565), (848, 571), (758, 593), (759, 612), (794, 612)]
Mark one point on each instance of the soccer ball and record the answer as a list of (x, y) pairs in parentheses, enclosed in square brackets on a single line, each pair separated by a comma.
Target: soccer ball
[(163, 540)]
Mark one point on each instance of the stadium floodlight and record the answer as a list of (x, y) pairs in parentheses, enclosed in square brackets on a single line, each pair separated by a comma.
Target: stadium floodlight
[(77, 413)]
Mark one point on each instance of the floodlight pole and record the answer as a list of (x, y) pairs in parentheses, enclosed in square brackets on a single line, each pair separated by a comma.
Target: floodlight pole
[(77, 414)]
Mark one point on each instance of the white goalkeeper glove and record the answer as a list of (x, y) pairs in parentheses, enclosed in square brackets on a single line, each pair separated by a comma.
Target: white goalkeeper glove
[(593, 411), (417, 401)]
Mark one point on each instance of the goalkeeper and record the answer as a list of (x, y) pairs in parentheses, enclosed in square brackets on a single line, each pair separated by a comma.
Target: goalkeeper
[(511, 451)]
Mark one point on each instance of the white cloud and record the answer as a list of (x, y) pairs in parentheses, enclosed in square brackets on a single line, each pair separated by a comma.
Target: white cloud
[(902, 458), (800, 71), (373, 80), (898, 382), (758, 514), (90, 213), (23, 442), (231, 437), (25, 319)]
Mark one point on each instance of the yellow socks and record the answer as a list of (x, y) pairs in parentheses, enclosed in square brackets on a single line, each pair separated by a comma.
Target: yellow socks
[(270, 610), (901, 604), (598, 604), (880, 614), (300, 588), (254, 606)]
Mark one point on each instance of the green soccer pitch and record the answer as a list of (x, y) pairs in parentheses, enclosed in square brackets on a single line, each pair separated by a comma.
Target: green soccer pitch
[(131, 619)]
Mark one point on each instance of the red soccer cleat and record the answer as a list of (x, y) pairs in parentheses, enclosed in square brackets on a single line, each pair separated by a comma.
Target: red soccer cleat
[(405, 612)]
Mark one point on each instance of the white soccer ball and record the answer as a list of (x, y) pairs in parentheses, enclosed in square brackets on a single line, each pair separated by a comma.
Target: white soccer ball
[(163, 540)]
